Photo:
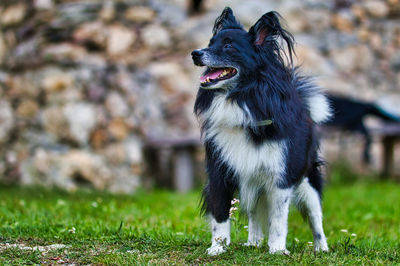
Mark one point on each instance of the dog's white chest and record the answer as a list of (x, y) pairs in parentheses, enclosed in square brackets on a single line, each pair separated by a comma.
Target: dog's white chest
[(246, 158), (226, 120)]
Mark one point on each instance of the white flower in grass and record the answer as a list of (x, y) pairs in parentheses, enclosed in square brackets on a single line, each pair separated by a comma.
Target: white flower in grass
[(296, 240), (310, 244), (61, 202), (234, 201), (343, 230), (95, 204), (72, 230), (232, 211), (353, 235)]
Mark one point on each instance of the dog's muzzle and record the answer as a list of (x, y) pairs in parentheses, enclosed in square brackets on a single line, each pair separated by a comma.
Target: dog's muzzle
[(197, 57)]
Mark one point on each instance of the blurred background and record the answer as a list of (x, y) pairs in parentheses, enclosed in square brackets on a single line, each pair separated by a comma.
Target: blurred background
[(100, 93)]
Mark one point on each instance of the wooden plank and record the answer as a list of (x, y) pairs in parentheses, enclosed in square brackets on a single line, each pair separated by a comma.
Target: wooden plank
[(183, 170)]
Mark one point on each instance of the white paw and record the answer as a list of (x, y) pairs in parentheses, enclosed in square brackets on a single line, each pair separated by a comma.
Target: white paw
[(279, 251), (215, 250), (321, 247)]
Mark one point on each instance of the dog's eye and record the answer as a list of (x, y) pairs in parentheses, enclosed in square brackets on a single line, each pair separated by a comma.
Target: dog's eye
[(228, 46)]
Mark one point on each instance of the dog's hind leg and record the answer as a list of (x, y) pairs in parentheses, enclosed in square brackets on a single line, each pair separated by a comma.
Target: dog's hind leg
[(308, 202), (278, 205)]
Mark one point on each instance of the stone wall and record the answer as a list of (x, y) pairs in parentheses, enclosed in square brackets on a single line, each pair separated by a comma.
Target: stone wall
[(84, 83)]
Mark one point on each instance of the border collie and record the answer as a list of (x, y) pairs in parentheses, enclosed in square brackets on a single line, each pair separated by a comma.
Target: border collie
[(258, 117)]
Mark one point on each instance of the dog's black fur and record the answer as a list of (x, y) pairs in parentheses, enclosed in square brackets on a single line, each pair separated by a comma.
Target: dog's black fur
[(266, 86)]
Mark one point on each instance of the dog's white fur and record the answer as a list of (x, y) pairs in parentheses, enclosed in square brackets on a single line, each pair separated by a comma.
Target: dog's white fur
[(259, 170)]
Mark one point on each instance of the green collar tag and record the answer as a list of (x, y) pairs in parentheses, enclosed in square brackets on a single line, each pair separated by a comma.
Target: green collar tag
[(264, 123)]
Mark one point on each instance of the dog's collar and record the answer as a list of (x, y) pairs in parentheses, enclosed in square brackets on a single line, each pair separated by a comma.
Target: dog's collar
[(264, 123)]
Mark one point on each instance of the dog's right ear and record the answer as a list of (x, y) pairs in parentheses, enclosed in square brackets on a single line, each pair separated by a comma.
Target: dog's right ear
[(268, 29), (226, 21)]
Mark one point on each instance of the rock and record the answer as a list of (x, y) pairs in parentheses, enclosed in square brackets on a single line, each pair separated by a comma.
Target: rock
[(107, 12), (99, 138), (65, 170), (93, 32), (6, 121), (22, 86), (170, 12), (156, 36), (80, 165), (375, 8), (134, 150), (81, 120), (3, 48), (313, 62), (124, 181), (115, 153), (13, 15), (66, 52), (318, 20), (119, 39), (359, 12), (118, 129), (167, 73), (395, 61), (297, 20), (43, 4), (54, 122), (249, 11), (343, 21), (57, 81), (140, 14), (27, 109), (116, 105), (353, 58)]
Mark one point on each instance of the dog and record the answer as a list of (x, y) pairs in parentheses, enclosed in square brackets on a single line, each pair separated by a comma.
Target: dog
[(348, 115), (258, 117)]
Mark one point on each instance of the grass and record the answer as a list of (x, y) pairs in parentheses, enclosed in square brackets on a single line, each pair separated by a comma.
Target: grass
[(161, 227)]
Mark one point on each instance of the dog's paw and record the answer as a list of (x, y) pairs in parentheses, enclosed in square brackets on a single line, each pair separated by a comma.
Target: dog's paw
[(216, 250), (279, 251), (321, 248)]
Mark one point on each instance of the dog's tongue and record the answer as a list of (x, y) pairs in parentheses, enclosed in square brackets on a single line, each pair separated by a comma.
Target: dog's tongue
[(212, 75)]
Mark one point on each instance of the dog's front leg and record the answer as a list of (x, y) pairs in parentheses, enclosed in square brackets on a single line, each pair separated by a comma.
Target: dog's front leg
[(221, 236), (279, 200)]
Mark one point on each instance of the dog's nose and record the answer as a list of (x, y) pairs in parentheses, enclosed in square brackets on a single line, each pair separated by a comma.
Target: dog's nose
[(197, 53)]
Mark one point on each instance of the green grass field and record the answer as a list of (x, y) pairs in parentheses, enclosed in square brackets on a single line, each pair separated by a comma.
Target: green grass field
[(362, 223)]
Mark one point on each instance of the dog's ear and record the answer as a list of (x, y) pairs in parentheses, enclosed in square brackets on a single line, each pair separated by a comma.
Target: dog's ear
[(226, 21), (268, 28)]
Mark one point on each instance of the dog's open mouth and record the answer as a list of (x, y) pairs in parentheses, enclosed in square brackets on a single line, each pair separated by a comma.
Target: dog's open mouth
[(214, 75)]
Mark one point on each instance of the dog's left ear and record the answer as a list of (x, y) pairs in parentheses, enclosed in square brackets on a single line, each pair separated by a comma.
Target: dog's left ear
[(226, 21), (268, 28)]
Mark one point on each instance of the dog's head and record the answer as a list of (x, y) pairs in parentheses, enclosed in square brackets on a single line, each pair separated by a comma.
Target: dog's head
[(234, 54)]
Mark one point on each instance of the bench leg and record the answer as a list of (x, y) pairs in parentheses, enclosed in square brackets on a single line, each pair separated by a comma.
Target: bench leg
[(183, 170), (388, 156)]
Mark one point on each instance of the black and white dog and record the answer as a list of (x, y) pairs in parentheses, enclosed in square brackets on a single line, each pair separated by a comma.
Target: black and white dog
[(258, 119)]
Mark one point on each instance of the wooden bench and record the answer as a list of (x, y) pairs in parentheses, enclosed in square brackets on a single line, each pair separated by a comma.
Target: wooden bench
[(171, 161), (388, 134)]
